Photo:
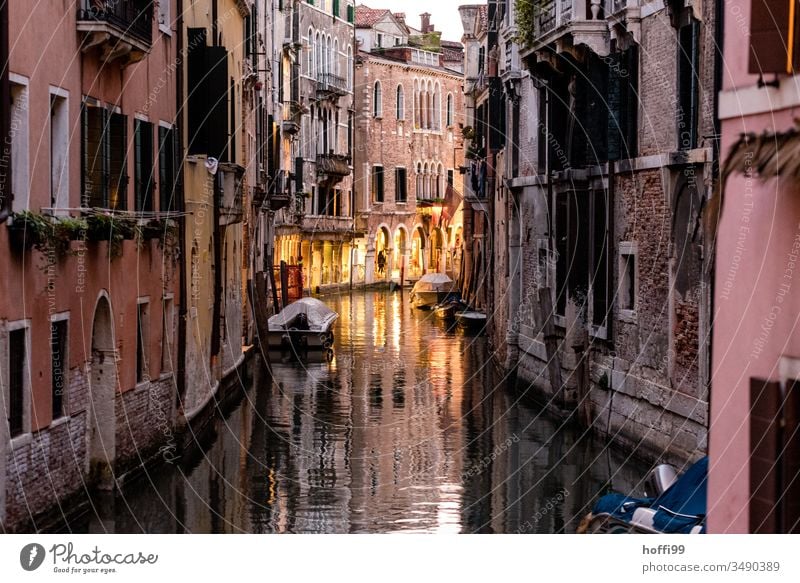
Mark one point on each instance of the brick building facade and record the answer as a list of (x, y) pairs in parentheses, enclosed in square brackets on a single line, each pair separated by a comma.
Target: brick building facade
[(604, 305), (409, 152)]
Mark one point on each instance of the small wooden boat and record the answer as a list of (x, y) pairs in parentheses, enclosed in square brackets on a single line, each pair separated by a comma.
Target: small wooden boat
[(471, 320), (432, 289), (448, 309), (304, 325)]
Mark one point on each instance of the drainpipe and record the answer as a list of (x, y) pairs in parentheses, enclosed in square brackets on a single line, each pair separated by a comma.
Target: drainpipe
[(6, 193), (183, 305), (719, 19)]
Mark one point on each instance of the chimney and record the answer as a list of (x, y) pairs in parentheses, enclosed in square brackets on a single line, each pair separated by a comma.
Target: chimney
[(401, 16), (426, 22)]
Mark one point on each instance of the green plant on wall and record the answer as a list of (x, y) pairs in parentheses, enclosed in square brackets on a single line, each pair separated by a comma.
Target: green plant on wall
[(111, 228), (45, 233), (528, 13)]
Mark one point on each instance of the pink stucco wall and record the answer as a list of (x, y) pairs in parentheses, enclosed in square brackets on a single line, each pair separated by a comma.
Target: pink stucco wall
[(44, 43), (757, 297)]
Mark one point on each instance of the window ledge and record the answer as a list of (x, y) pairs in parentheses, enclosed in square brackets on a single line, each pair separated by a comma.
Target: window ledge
[(64, 419), (165, 28), (20, 440)]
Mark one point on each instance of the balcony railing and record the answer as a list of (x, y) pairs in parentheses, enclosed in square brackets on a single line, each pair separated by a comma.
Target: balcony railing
[(330, 83), (334, 165), (130, 17), (551, 14)]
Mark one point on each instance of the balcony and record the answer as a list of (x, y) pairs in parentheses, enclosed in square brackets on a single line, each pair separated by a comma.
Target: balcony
[(330, 85), (328, 225), (231, 207), (332, 166), (279, 195), (573, 22), (121, 30)]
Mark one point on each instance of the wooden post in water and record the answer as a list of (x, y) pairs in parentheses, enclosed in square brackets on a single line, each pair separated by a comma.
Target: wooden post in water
[(284, 284)]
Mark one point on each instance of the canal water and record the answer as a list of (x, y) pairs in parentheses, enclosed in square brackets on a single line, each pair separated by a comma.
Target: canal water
[(409, 428)]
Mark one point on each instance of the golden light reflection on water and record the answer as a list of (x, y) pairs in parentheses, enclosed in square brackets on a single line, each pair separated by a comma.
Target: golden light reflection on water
[(407, 429)]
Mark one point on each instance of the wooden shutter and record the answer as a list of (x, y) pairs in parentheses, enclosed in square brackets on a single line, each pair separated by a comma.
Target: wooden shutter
[(765, 401), (790, 467), (216, 94), (117, 165), (774, 36), (196, 100)]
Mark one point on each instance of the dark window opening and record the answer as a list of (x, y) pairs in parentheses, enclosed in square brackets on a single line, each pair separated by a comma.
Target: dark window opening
[(688, 84), (58, 365), (401, 185), (583, 250), (377, 184), (16, 380), (105, 149), (142, 343), (143, 162), (167, 169)]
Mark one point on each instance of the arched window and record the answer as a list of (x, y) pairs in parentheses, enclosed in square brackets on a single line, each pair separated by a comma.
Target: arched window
[(437, 108), (377, 100), (310, 53), (440, 182), (401, 103), (449, 109), (329, 63), (318, 52), (415, 105), (336, 67), (426, 181), (420, 192), (350, 67)]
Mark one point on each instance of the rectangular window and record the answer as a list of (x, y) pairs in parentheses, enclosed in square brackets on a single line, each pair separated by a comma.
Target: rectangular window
[(143, 160), (59, 152), (336, 9), (142, 342), (377, 184), (688, 84), (351, 14), (105, 159), (450, 178), (400, 185), (380, 40), (17, 356), (20, 156), (627, 277), (167, 330), (582, 252), (58, 365), (167, 169)]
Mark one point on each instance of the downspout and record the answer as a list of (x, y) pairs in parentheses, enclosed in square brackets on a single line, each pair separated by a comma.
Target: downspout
[(6, 192), (183, 306), (719, 20)]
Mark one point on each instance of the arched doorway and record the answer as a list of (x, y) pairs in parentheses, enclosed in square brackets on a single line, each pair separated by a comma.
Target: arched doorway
[(382, 253), (417, 267), (437, 248), (400, 243), (103, 388)]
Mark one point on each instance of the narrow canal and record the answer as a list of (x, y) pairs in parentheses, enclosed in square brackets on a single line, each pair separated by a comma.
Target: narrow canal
[(409, 428)]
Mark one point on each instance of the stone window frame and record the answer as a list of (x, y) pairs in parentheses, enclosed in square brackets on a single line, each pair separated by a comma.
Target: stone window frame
[(62, 317), (377, 100), (26, 435), (145, 340)]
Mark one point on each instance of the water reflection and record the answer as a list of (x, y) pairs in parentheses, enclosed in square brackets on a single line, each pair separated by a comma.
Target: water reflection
[(408, 428)]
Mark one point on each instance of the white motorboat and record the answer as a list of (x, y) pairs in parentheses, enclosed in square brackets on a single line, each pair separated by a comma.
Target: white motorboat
[(432, 289), (303, 325)]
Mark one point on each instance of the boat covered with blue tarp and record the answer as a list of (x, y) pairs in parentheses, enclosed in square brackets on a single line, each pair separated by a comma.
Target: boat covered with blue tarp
[(679, 509)]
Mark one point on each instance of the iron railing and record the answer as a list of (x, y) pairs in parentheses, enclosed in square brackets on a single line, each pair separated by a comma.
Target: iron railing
[(133, 17)]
